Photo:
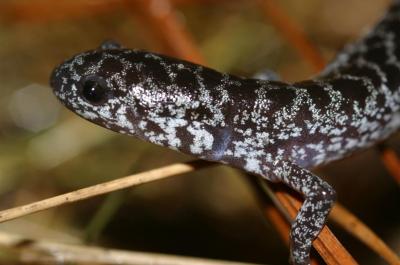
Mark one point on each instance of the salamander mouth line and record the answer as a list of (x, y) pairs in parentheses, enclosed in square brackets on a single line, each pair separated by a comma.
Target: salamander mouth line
[(265, 127)]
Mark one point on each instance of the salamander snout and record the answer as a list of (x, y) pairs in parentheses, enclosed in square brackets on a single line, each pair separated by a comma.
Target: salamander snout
[(55, 82), (93, 85), (81, 80)]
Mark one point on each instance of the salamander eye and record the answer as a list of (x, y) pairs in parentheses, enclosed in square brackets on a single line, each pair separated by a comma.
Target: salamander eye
[(94, 92)]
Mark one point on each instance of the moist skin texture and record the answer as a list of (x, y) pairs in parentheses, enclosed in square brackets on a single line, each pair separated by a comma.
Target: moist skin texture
[(270, 128)]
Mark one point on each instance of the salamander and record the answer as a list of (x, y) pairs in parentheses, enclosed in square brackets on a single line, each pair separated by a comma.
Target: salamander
[(266, 127)]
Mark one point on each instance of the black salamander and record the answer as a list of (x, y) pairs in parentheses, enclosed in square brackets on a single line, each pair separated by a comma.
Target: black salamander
[(270, 128)]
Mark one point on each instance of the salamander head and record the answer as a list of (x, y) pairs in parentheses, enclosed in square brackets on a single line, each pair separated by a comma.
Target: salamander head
[(129, 91)]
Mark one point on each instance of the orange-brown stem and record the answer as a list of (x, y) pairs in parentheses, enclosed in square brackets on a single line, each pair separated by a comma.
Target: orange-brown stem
[(292, 33)]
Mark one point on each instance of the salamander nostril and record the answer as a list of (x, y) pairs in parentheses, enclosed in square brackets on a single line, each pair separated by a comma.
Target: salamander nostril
[(270, 128), (94, 92)]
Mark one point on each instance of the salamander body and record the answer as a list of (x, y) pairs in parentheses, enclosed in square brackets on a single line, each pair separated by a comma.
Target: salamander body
[(270, 128)]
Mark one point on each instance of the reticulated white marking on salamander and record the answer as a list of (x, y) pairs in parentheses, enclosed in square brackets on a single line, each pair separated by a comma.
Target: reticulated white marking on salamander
[(266, 127)]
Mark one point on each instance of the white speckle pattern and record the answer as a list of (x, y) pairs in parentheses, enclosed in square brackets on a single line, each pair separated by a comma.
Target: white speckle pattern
[(266, 127)]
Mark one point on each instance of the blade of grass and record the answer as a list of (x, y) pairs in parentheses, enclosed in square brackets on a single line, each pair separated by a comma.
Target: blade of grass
[(103, 215)]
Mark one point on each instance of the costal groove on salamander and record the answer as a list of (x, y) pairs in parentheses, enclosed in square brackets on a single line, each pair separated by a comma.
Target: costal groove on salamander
[(274, 129)]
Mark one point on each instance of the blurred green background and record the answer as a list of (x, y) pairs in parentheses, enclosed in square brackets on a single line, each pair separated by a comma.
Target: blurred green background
[(46, 150)]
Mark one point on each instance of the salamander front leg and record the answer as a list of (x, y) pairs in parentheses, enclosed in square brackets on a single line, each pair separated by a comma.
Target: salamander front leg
[(319, 198)]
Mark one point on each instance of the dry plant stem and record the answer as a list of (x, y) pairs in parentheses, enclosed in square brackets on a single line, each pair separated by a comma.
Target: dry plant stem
[(192, 53), (391, 162), (161, 17), (298, 39), (273, 209), (326, 243), (344, 218), (30, 251), (292, 33), (280, 223), (288, 208), (282, 226), (106, 187), (42, 11), (356, 228), (203, 2), (180, 43)]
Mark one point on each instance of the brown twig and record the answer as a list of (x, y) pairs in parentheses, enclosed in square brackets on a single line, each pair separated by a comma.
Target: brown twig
[(31, 251), (42, 11), (326, 243), (106, 187), (180, 43), (161, 17), (323, 245), (339, 214), (190, 52), (273, 209), (282, 226), (298, 39), (355, 227), (292, 33), (391, 161)]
